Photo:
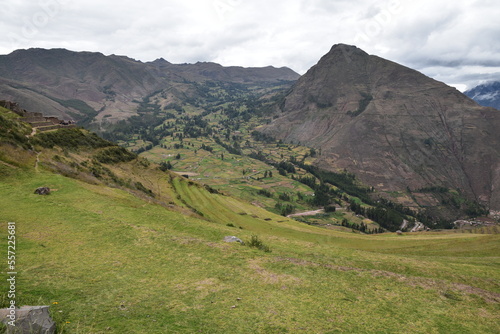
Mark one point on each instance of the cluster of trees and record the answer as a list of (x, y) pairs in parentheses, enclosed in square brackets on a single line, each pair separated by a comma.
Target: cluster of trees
[(361, 227), (268, 173), (285, 197), (165, 165), (284, 208), (233, 149), (385, 217), (285, 167), (70, 138), (144, 148), (262, 137), (265, 192), (206, 148), (114, 154)]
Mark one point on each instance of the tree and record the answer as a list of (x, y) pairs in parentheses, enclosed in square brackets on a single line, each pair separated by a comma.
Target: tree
[(330, 208), (164, 166)]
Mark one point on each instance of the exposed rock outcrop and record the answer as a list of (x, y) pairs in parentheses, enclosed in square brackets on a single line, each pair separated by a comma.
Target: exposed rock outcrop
[(28, 320)]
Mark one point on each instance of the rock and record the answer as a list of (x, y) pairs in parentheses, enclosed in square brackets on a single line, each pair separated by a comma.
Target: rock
[(233, 239), (399, 232), (42, 191), (29, 320)]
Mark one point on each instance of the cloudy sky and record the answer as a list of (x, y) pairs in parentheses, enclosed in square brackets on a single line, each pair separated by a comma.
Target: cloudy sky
[(455, 41)]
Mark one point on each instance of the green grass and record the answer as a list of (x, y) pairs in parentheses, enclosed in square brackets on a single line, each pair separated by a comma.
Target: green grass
[(109, 262)]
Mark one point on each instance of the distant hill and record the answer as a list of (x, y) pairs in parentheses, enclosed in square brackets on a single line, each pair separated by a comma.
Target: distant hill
[(395, 128), (487, 95), (88, 86)]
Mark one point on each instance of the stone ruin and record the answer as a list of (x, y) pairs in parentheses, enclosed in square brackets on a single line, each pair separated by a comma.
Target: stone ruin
[(36, 119)]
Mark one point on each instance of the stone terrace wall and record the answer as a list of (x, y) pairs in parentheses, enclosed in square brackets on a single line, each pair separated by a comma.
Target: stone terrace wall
[(36, 119)]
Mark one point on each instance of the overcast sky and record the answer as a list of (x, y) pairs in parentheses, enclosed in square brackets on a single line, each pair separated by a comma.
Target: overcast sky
[(455, 41)]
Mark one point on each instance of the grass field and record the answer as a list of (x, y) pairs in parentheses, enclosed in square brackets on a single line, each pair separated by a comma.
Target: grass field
[(107, 261)]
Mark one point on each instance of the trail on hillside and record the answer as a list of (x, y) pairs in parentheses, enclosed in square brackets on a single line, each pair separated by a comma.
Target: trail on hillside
[(306, 213), (7, 164), (37, 161)]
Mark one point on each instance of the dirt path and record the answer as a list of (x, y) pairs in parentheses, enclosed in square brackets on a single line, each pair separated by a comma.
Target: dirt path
[(307, 213), (7, 164), (37, 160)]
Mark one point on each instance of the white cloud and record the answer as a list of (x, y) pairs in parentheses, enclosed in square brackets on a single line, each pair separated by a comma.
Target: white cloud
[(450, 40)]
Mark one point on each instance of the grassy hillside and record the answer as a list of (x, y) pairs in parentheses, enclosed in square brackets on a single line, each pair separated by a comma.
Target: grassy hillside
[(122, 247), (108, 261)]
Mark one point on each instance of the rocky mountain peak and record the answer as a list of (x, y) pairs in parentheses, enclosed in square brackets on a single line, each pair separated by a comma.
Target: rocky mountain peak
[(394, 127)]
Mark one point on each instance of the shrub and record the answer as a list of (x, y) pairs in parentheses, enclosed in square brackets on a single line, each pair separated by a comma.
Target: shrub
[(114, 154), (285, 197), (265, 192), (284, 209), (212, 190), (330, 208), (141, 187), (164, 166), (255, 242)]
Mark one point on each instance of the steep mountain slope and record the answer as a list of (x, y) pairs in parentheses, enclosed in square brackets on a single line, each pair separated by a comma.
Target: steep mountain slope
[(487, 95), (88, 86), (79, 85), (395, 128), (119, 246)]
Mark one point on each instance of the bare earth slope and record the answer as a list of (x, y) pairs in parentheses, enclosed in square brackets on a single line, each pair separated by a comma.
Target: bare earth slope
[(392, 126)]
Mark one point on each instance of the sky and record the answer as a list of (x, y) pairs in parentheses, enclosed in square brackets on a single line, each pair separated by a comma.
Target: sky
[(454, 41)]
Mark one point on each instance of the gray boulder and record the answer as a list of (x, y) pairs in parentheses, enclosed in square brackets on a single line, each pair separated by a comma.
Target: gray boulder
[(42, 191), (233, 239), (28, 320)]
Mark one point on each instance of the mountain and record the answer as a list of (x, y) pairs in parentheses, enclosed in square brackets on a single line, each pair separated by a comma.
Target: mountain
[(89, 86), (203, 71), (487, 95), (394, 128)]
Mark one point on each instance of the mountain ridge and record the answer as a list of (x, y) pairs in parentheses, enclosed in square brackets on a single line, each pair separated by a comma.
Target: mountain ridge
[(51, 81), (395, 128)]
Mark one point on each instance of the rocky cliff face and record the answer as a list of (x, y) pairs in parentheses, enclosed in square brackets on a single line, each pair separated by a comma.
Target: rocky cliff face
[(395, 128)]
